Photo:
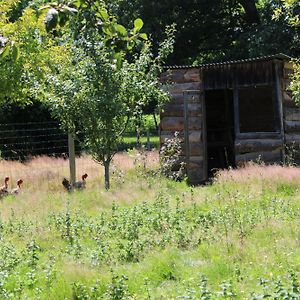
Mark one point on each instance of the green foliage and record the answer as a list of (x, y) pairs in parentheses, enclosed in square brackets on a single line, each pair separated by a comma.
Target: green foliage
[(24, 54), (103, 84), (295, 83)]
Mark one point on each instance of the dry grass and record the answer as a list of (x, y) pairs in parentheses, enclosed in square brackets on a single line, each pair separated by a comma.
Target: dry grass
[(42, 191), (45, 173), (252, 173)]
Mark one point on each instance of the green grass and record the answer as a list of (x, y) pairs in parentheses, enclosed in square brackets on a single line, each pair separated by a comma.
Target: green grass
[(151, 238), (130, 142)]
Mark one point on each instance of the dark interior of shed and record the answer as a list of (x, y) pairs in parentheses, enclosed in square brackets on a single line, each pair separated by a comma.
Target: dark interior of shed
[(257, 110), (220, 129)]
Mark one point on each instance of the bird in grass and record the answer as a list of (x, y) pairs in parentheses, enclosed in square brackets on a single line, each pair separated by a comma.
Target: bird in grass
[(67, 185), (17, 190), (78, 185), (4, 188)]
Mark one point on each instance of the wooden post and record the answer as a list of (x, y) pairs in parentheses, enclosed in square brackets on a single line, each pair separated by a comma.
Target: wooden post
[(186, 128), (279, 107), (72, 164), (148, 141)]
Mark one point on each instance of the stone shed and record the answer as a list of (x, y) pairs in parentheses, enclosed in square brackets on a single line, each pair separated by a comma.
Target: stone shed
[(231, 112)]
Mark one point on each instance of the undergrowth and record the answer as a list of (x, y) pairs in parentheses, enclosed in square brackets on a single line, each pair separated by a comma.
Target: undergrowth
[(232, 239)]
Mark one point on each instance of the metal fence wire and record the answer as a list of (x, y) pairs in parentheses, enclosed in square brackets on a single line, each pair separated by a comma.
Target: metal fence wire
[(39, 153), (20, 141)]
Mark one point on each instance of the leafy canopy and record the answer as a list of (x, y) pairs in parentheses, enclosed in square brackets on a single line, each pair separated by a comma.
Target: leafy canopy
[(111, 73)]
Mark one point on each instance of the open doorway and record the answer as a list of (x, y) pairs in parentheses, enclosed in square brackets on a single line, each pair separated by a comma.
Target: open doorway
[(220, 129)]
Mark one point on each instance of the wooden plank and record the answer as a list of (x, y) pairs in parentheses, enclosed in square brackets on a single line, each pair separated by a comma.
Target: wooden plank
[(186, 130), (236, 111), (278, 101), (245, 146), (292, 114), (196, 149), (194, 136), (288, 101), (177, 110), (258, 135), (177, 123), (172, 123), (181, 76), (194, 123), (173, 110), (181, 87), (196, 162), (292, 138), (266, 156), (192, 75), (176, 98), (292, 126)]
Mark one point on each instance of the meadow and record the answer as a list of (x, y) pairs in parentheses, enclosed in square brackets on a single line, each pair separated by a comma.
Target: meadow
[(149, 237)]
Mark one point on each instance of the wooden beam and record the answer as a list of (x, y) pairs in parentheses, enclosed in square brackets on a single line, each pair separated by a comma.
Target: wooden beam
[(245, 146), (266, 156), (72, 164)]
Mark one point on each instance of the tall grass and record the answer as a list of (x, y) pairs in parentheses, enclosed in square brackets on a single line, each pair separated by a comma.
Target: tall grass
[(149, 237)]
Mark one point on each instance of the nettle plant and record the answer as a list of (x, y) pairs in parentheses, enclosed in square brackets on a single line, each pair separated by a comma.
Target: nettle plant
[(110, 74)]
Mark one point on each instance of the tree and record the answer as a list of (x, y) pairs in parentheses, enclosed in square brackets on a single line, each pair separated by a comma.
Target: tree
[(295, 83), (217, 30), (110, 74), (23, 53)]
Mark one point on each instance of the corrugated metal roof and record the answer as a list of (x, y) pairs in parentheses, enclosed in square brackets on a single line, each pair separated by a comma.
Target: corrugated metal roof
[(280, 56)]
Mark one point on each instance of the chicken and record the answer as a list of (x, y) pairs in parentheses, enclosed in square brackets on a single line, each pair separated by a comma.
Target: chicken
[(67, 185), (79, 185), (4, 188), (17, 190)]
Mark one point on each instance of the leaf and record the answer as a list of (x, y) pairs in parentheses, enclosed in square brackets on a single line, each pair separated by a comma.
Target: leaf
[(44, 8), (70, 10), (138, 24), (103, 14), (5, 51), (144, 36), (121, 29), (119, 59), (107, 31), (15, 52)]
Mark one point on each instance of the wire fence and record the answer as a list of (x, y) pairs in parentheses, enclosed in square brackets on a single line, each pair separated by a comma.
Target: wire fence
[(38, 152), (20, 141)]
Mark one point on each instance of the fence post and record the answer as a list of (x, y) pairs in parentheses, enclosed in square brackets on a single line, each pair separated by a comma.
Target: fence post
[(148, 141), (72, 165)]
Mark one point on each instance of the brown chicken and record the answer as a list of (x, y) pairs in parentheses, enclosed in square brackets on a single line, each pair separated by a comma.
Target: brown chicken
[(17, 190), (79, 185), (4, 188)]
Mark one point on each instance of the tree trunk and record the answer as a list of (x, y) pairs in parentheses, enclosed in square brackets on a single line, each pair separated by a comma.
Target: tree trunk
[(251, 11), (106, 174)]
